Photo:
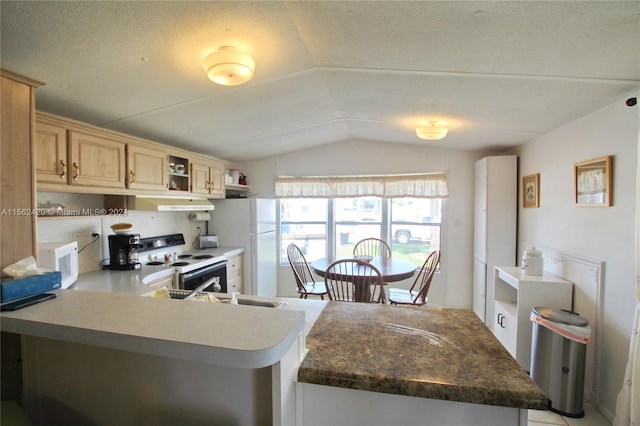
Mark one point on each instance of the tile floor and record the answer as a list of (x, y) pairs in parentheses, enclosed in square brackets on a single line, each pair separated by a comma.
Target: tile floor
[(546, 418)]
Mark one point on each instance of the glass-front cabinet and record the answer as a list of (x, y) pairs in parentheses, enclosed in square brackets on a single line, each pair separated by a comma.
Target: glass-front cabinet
[(178, 169)]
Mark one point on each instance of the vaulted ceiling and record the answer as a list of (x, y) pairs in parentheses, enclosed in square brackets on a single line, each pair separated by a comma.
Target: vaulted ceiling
[(500, 73)]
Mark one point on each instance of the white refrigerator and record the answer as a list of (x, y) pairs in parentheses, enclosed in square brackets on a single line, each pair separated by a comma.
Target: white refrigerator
[(250, 223)]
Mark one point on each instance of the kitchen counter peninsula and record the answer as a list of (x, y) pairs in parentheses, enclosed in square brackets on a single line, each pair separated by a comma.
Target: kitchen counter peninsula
[(364, 358), (99, 358)]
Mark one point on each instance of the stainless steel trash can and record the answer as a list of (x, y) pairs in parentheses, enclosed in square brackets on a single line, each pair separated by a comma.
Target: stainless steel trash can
[(558, 353)]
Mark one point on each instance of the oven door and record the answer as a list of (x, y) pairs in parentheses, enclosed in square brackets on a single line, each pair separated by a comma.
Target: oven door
[(191, 280)]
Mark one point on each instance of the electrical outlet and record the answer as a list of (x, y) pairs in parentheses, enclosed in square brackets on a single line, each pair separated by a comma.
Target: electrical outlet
[(78, 237), (85, 237)]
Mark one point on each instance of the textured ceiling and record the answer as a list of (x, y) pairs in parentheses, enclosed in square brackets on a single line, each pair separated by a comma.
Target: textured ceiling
[(500, 73)]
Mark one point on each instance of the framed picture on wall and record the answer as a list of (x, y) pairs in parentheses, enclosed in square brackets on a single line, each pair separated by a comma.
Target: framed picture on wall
[(593, 182), (531, 191)]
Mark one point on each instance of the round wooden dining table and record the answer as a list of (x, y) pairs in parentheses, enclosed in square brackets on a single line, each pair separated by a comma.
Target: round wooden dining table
[(392, 269)]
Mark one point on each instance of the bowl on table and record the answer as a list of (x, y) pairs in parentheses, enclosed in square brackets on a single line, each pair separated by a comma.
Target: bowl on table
[(363, 257)]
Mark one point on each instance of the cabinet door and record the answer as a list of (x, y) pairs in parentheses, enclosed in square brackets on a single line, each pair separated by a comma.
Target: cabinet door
[(96, 161), (18, 189), (480, 207), (216, 179), (479, 289), (147, 168), (200, 182), (505, 327), (162, 282), (51, 153), (234, 274)]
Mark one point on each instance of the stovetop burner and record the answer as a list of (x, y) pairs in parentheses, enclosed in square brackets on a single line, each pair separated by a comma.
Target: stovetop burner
[(167, 251), (203, 256)]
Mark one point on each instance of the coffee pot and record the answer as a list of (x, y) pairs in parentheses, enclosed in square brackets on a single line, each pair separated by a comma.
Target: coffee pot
[(123, 251)]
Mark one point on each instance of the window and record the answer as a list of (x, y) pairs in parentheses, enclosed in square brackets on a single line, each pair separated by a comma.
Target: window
[(415, 227), (331, 226), (356, 218), (303, 221)]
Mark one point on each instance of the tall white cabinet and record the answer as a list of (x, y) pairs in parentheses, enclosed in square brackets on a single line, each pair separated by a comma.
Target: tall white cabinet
[(496, 209)]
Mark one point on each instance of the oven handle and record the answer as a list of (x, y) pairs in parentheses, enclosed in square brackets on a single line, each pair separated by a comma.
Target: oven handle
[(205, 270), (180, 278)]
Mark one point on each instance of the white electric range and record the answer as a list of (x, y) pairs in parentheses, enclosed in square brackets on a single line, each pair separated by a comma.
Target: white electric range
[(191, 268)]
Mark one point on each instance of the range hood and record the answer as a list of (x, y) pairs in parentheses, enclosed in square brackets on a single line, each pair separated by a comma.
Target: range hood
[(168, 204)]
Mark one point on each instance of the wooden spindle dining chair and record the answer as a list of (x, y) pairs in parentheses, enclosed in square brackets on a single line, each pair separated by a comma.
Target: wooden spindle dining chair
[(372, 247), (352, 280), (417, 294), (306, 284)]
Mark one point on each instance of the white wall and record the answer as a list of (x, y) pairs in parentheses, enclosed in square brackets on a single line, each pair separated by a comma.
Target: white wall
[(145, 223), (453, 286), (601, 233)]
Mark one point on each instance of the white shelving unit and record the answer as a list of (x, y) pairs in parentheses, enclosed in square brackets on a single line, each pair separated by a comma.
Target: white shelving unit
[(516, 294)]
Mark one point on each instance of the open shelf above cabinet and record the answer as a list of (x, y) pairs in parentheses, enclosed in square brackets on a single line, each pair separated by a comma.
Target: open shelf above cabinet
[(239, 188), (178, 173), (236, 191)]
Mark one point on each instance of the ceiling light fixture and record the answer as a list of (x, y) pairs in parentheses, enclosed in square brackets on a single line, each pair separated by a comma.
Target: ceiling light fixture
[(432, 131), (229, 67)]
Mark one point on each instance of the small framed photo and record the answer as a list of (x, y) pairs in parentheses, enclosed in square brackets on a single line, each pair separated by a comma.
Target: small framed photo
[(593, 182), (531, 191)]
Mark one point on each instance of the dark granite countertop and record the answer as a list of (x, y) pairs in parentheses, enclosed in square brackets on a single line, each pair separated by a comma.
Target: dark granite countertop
[(434, 353)]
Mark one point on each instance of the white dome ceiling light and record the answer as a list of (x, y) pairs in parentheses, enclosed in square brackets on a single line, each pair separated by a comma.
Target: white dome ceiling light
[(432, 131), (229, 67)]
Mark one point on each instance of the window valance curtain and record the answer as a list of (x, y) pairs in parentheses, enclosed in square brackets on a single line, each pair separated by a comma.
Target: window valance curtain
[(428, 185)]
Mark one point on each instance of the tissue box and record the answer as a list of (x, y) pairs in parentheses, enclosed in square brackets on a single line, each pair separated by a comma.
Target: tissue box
[(24, 287)]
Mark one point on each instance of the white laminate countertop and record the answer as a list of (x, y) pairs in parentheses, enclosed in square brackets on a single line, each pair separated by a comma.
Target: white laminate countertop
[(226, 335), (137, 281), (105, 309)]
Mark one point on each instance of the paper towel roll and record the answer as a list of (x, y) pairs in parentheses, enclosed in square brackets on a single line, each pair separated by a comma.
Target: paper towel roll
[(202, 216)]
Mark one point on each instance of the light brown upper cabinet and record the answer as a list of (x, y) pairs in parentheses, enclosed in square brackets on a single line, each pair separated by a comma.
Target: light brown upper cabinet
[(18, 200), (96, 160), (147, 168), (72, 156), (207, 177), (51, 153)]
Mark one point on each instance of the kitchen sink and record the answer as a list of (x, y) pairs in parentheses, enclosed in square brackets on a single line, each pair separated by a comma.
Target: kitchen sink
[(225, 298)]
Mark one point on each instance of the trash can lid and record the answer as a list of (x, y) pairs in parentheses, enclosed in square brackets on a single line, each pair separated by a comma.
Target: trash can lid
[(560, 316)]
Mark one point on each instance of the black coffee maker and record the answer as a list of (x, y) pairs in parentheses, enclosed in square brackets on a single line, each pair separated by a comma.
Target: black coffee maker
[(123, 250)]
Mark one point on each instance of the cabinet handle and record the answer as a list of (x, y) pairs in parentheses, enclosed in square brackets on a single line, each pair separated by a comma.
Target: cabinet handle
[(64, 169), (501, 320), (132, 176), (76, 169)]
